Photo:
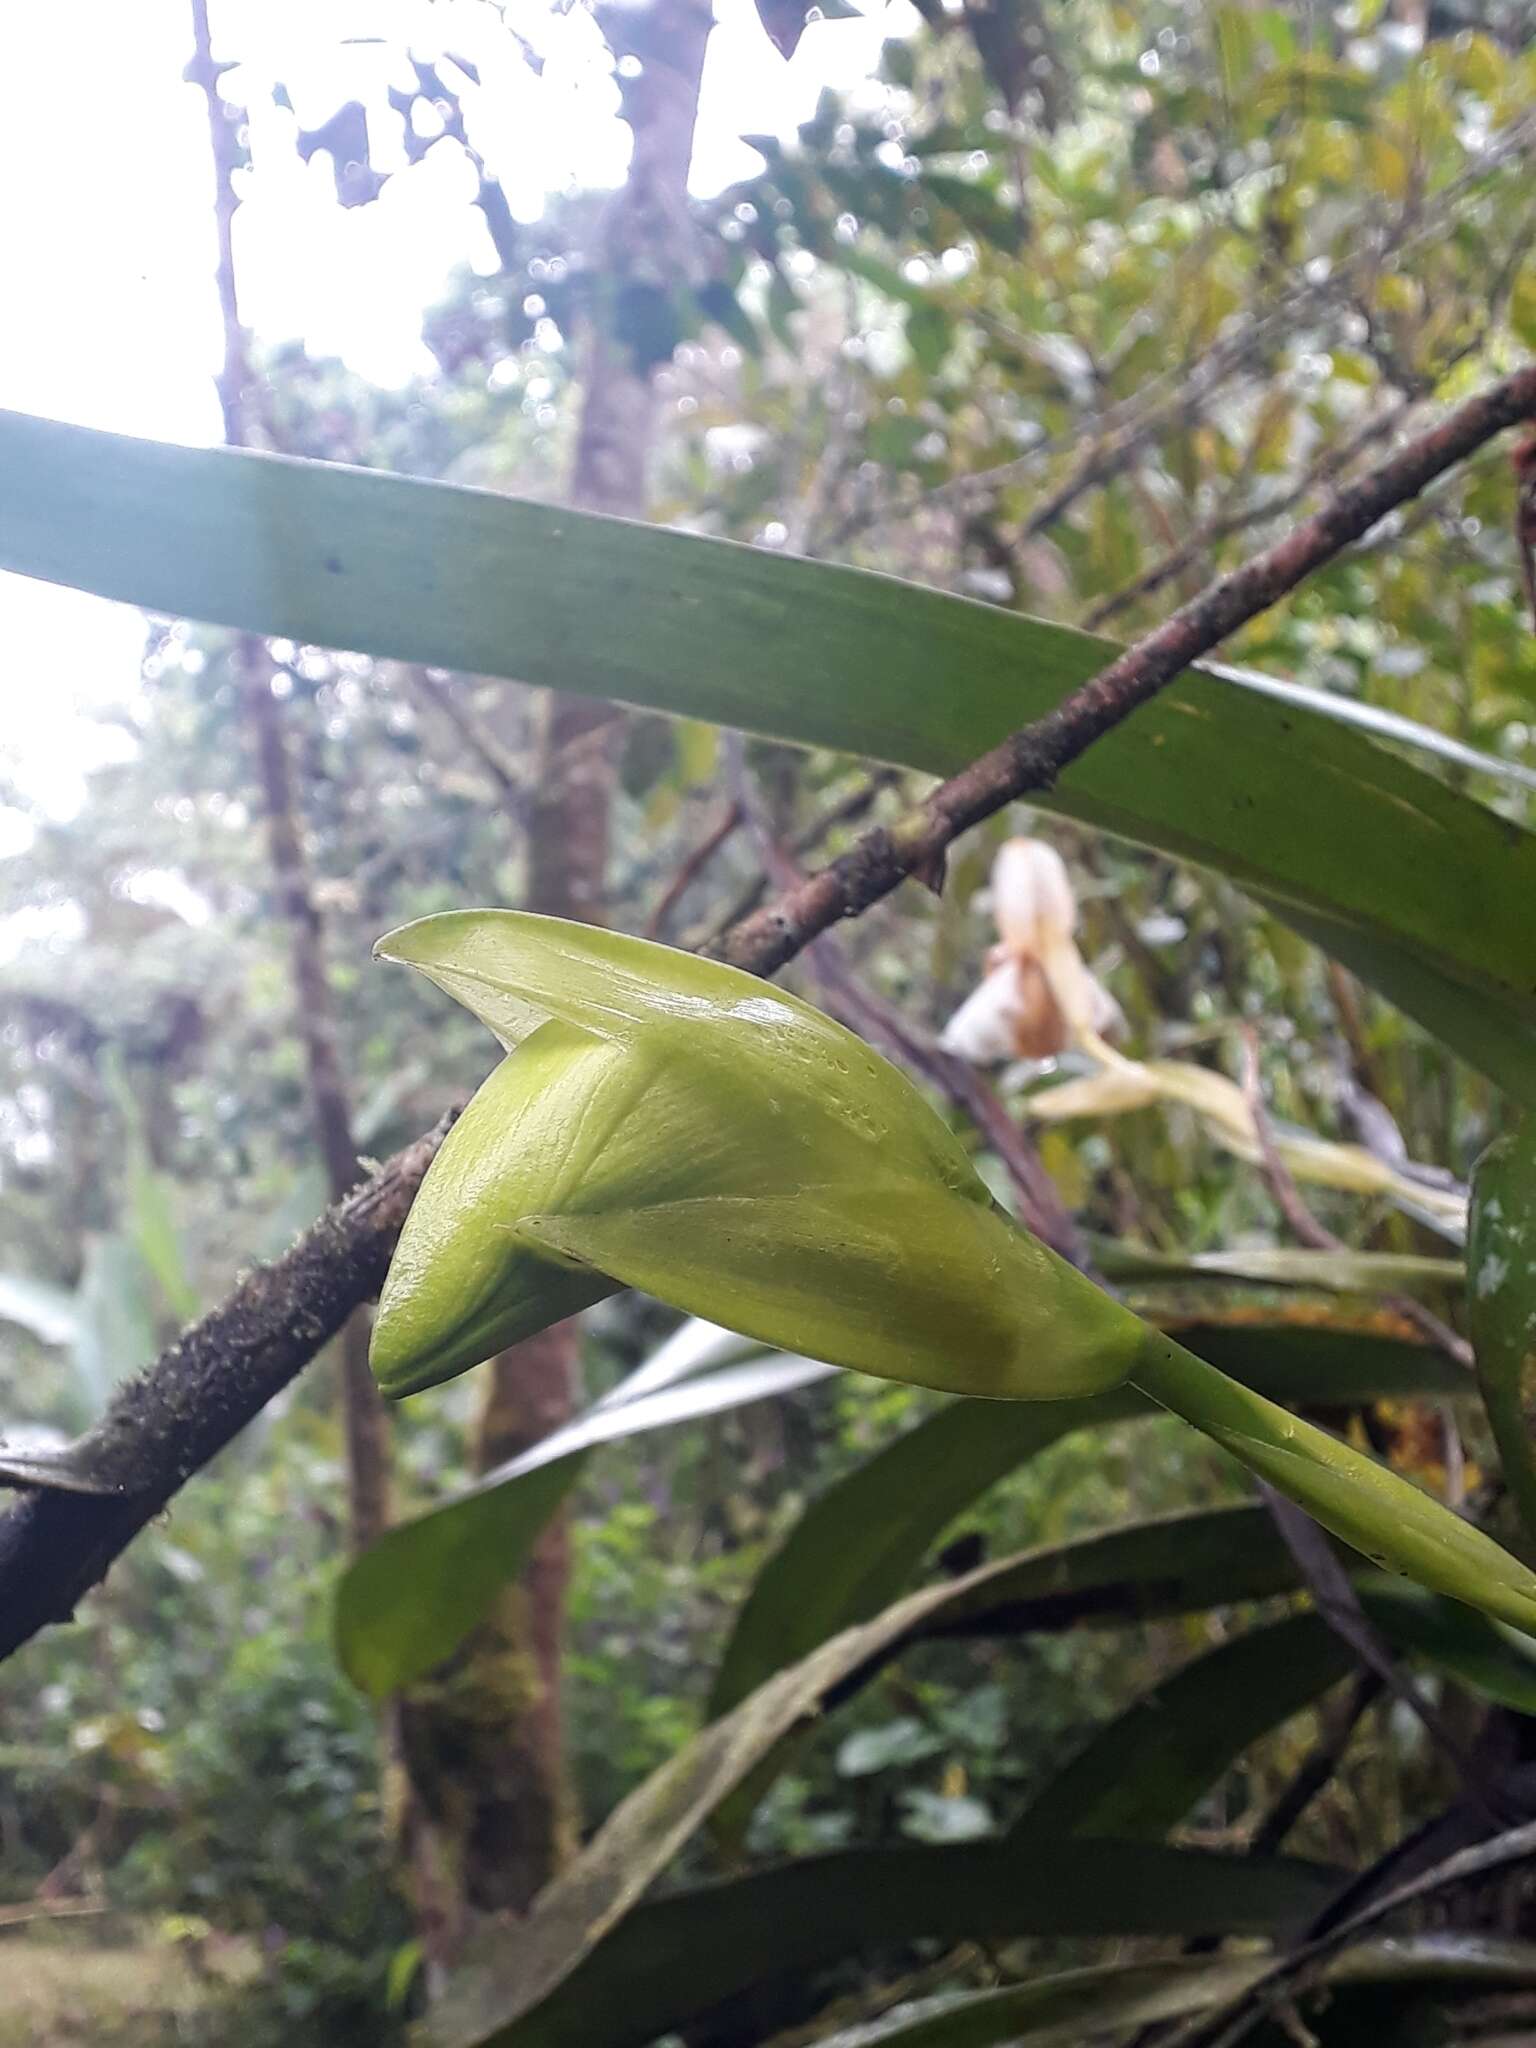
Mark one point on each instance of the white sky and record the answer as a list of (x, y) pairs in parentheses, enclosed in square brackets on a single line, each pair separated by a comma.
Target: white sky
[(107, 249)]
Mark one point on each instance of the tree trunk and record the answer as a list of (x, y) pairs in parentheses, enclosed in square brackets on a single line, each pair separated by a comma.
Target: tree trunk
[(365, 1422), (491, 1736)]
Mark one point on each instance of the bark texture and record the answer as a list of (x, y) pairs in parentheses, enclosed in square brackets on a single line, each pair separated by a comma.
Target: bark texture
[(199, 1394)]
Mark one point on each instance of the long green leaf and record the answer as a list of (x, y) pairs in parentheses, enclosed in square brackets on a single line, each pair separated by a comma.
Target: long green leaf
[(1066, 2010), (1345, 1271), (857, 1544), (1488, 1659), (1167, 1565), (1137, 1776), (411, 1598), (672, 1960), (1501, 1298), (1140, 1774), (1171, 1564), (1180, 1563), (1420, 889)]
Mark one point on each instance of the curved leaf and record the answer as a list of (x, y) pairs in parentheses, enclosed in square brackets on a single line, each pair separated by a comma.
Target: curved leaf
[(1171, 1564), (541, 1986), (1496, 1662), (858, 1543), (1418, 888), (1140, 1774), (1064, 2011), (411, 1598), (1167, 1565)]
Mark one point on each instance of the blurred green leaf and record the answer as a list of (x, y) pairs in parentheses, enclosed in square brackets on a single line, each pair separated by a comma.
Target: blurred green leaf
[(48, 1313), (413, 1596), (1064, 2011), (118, 1329), (888, 1747), (930, 336), (1281, 1265), (553, 1982), (1139, 1776)]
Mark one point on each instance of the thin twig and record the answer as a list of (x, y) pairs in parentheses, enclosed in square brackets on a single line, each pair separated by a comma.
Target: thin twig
[(1041, 1208), (1280, 1980), (1336, 1599), (1339, 1605), (451, 698), (1034, 757), (691, 867), (845, 809), (1315, 1769)]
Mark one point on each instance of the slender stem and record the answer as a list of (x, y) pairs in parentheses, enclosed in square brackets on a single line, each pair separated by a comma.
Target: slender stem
[(1369, 1507)]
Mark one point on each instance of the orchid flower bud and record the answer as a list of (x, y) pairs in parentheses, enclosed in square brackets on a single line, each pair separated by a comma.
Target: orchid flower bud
[(669, 1123)]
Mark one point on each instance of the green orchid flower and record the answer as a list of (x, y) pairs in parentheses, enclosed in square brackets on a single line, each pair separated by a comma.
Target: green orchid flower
[(668, 1123)]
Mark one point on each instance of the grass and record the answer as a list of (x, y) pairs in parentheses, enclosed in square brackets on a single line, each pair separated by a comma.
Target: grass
[(143, 1990)]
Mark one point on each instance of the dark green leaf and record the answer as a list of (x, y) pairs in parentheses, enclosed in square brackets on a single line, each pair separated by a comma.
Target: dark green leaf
[(856, 1546), (1501, 1302), (1139, 1775), (542, 1986), (1496, 1662)]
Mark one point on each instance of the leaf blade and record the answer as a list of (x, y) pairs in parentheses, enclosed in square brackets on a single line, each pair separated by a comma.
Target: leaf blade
[(1339, 835)]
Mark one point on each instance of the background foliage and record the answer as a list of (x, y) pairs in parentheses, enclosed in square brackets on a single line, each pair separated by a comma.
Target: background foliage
[(1066, 310)]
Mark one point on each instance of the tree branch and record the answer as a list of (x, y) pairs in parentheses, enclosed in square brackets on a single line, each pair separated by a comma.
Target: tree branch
[(1034, 757), (200, 1393)]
